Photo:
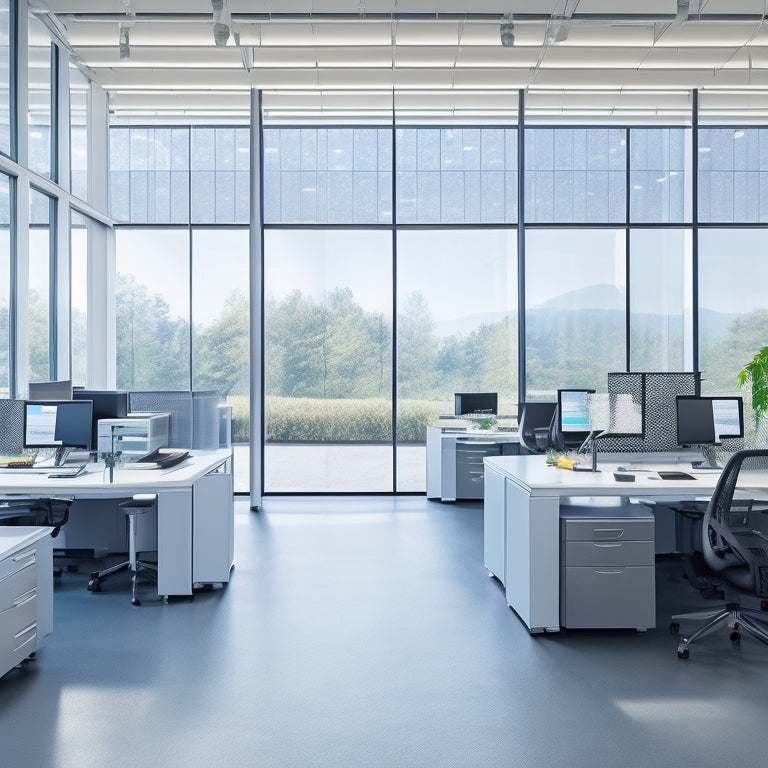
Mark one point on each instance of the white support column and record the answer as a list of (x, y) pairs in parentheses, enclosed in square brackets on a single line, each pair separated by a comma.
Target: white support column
[(256, 274)]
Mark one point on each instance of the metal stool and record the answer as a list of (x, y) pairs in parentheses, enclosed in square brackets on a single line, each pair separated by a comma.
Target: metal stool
[(138, 505)]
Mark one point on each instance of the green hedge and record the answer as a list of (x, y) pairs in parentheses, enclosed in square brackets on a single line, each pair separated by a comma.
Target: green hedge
[(305, 419)]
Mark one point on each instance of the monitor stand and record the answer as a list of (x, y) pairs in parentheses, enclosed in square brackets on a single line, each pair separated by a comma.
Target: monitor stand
[(710, 460), (61, 456)]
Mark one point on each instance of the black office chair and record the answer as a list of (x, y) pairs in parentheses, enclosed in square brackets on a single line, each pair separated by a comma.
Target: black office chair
[(533, 426), (735, 547), (50, 511)]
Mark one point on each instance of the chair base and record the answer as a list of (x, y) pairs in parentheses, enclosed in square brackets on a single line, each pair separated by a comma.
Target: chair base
[(751, 620), (140, 567)]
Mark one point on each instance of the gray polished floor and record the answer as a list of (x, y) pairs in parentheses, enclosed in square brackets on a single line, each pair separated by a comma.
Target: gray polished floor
[(366, 632)]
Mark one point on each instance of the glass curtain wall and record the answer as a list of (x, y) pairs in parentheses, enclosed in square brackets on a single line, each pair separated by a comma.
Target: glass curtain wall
[(391, 263)]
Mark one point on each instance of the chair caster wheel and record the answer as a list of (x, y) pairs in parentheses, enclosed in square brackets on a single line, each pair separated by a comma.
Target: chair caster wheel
[(135, 601), (94, 585), (683, 653), (735, 637), (674, 628)]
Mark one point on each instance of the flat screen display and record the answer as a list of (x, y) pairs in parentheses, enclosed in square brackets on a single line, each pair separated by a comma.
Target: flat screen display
[(573, 407), (64, 424), (107, 404), (708, 420), (475, 402)]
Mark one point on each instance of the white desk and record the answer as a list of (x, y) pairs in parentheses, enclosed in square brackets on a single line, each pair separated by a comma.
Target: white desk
[(195, 514), (522, 523)]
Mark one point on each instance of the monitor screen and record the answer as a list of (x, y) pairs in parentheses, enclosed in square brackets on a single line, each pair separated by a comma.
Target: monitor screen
[(573, 407), (475, 402), (63, 424), (707, 420), (107, 404)]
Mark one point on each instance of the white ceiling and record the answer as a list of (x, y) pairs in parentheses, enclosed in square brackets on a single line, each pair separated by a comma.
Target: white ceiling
[(617, 56)]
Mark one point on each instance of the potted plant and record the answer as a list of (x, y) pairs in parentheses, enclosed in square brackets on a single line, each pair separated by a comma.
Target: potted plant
[(755, 372)]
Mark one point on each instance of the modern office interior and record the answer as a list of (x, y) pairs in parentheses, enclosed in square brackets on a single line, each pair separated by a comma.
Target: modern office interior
[(337, 216)]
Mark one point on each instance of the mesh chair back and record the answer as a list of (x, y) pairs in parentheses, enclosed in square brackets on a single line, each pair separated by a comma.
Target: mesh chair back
[(535, 416), (735, 527)]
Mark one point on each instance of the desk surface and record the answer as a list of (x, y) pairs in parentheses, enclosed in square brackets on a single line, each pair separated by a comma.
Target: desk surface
[(537, 478), (95, 480)]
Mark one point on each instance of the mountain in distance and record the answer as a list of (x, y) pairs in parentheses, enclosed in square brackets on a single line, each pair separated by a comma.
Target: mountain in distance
[(713, 325)]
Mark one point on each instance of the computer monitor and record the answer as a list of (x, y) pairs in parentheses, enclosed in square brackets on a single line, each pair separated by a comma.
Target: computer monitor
[(50, 390), (573, 415), (707, 420), (62, 425), (475, 402), (107, 404)]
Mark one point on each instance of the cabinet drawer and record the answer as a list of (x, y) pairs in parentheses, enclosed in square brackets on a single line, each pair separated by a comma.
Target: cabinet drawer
[(16, 584), (470, 483), (611, 553), (607, 529), (13, 563), (607, 597), (18, 625)]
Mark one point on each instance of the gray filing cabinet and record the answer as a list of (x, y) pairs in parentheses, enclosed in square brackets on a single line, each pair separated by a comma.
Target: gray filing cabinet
[(26, 592), (607, 569)]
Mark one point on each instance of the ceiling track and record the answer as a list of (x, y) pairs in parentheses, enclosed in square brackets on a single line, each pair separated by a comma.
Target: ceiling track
[(303, 18)]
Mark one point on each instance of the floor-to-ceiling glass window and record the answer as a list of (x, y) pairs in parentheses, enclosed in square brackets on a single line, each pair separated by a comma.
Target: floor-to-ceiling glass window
[(41, 250), (732, 269), (6, 257), (5, 77), (733, 305), (456, 330), (661, 258), (220, 326), (41, 54), (182, 290), (328, 309), (328, 360), (575, 289)]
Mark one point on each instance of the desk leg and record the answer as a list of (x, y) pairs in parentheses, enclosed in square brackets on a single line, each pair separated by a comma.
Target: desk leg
[(533, 558), (174, 542)]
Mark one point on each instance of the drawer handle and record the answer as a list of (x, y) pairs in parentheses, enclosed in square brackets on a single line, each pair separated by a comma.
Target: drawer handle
[(25, 598), (30, 555), (607, 544), (31, 630), (23, 567), (609, 570)]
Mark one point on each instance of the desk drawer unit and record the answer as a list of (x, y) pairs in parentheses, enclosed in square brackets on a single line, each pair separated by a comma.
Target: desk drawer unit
[(18, 607), (470, 469), (607, 570)]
